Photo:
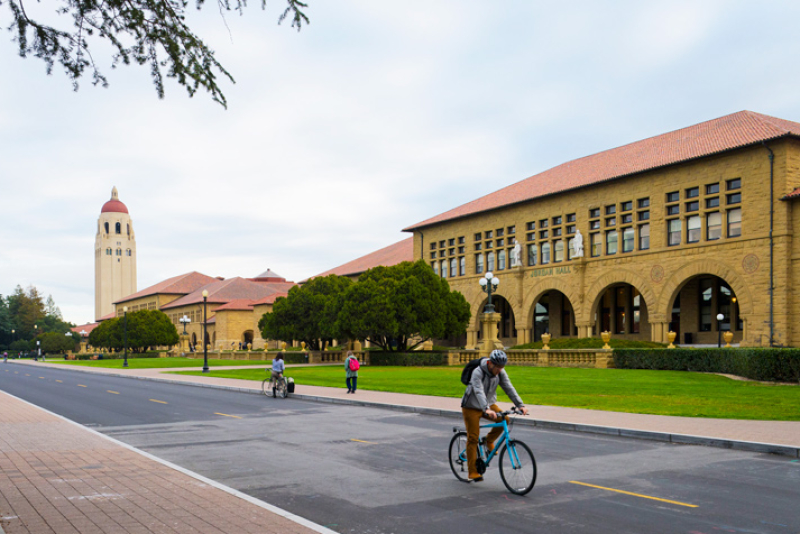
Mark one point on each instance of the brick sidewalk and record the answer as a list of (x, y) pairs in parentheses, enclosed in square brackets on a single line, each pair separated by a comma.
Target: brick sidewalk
[(59, 477)]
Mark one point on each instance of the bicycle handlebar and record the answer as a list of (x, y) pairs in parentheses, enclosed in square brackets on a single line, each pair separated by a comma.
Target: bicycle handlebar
[(514, 411)]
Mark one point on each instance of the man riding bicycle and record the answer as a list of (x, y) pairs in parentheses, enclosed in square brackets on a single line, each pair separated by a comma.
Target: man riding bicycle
[(277, 371), (480, 400)]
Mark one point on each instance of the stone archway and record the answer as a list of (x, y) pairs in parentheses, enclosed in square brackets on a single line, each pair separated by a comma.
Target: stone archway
[(680, 289), (551, 311), (247, 338)]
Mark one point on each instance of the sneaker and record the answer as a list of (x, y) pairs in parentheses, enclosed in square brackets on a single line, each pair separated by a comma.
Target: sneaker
[(476, 478)]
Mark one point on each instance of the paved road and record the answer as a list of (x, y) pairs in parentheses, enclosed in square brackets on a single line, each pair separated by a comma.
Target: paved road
[(374, 471)]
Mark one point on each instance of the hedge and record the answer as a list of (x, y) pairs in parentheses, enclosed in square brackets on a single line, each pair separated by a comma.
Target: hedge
[(407, 359), (771, 365)]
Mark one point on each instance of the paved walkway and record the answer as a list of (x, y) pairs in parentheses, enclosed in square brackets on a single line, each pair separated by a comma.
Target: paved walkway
[(58, 476)]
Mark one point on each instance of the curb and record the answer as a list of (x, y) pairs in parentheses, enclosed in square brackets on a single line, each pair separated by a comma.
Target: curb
[(681, 439)]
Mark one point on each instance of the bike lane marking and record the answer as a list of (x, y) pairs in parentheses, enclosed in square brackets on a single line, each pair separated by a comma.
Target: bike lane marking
[(634, 494)]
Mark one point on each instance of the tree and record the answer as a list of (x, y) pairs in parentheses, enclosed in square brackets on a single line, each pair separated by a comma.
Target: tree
[(389, 305), (53, 342), (146, 328), (152, 32), (309, 313)]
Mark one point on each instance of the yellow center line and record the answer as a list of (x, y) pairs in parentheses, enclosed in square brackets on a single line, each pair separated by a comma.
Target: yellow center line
[(634, 494), (26, 374), (41, 377), (158, 401), (114, 392), (82, 386), (227, 415), (59, 381), (361, 441)]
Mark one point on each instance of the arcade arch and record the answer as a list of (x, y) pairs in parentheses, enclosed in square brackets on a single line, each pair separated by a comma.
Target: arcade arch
[(552, 312), (693, 308)]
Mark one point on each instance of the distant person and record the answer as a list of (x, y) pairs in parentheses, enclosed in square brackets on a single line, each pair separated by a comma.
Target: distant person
[(351, 366), (5, 357), (278, 367), (480, 400)]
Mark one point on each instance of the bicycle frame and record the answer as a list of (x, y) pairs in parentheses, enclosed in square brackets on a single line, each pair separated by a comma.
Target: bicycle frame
[(504, 438)]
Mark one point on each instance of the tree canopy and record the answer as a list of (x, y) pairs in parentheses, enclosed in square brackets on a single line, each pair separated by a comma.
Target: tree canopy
[(387, 306), (146, 32), (390, 305), (308, 313), (145, 328), (28, 314)]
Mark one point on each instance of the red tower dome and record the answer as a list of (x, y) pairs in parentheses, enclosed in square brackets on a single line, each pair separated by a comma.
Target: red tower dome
[(114, 205)]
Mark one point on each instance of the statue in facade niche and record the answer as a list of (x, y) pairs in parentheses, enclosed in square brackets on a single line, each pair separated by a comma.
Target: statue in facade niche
[(577, 245), (516, 253)]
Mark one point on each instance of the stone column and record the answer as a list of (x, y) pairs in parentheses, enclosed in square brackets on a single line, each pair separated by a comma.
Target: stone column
[(584, 329), (472, 339), (489, 323)]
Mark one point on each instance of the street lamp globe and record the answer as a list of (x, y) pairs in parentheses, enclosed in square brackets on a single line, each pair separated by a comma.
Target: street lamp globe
[(483, 282)]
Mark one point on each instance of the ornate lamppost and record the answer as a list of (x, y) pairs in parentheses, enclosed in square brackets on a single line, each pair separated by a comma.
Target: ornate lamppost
[(720, 318), (489, 283), (205, 332), (125, 319), (184, 321)]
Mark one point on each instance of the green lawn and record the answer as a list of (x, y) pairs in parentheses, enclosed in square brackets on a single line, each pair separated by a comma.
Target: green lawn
[(620, 390), (158, 363)]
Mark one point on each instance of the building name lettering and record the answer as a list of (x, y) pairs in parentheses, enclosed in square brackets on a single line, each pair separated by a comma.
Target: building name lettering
[(550, 271)]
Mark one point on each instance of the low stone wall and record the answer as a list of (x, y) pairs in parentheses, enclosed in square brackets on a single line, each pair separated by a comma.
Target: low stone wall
[(597, 358)]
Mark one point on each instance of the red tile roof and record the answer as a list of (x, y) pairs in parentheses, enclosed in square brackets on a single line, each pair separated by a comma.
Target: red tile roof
[(387, 256), (270, 299), (733, 131), (88, 327), (225, 291), (794, 194), (177, 285)]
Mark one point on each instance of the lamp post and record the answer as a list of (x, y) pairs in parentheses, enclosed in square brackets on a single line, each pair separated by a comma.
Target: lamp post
[(205, 332), (184, 321), (35, 358), (489, 283), (125, 319), (38, 350), (720, 317)]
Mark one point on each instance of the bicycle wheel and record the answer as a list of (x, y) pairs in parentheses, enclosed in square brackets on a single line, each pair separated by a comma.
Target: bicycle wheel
[(266, 387), (281, 389), (517, 467), (458, 456)]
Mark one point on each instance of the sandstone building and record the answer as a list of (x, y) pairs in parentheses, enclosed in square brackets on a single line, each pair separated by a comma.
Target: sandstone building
[(675, 230)]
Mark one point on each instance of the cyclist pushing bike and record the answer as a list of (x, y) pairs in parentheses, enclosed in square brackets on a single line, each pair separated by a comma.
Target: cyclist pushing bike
[(480, 401), (277, 372)]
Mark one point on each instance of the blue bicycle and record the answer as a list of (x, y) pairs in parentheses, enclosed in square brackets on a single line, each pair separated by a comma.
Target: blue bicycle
[(517, 464)]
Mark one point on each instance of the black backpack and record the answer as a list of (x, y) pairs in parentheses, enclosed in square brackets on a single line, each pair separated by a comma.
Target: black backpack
[(466, 374)]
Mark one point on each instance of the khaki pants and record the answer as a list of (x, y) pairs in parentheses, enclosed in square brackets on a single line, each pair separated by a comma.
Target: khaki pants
[(472, 420)]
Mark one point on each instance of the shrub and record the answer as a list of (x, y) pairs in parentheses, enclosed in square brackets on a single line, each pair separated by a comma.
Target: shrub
[(773, 365), (407, 359)]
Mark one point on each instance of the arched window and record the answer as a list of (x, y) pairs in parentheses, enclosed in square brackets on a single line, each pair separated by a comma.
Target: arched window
[(129, 229), (128, 252), (108, 252), (119, 252), (119, 228), (106, 225)]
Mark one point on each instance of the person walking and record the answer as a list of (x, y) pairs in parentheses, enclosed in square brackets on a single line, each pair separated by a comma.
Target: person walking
[(278, 366), (480, 401), (351, 367)]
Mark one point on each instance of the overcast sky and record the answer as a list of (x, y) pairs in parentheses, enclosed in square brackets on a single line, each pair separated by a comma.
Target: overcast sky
[(378, 115)]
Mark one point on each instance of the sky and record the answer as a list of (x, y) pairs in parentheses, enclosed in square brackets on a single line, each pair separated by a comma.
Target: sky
[(376, 116)]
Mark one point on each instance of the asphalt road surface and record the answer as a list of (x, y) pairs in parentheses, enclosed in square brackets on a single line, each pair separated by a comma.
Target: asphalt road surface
[(367, 470)]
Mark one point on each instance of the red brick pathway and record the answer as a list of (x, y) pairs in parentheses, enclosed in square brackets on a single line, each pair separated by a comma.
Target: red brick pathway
[(59, 477)]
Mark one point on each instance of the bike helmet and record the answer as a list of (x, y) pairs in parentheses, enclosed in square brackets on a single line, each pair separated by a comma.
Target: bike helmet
[(499, 358)]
